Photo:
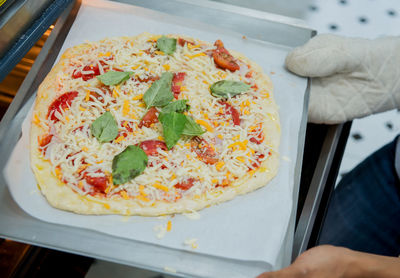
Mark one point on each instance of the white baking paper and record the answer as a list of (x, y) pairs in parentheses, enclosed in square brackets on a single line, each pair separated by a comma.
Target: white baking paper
[(249, 229)]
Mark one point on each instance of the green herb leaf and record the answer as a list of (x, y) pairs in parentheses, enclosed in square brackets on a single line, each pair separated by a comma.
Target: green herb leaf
[(192, 128), (228, 88), (159, 94), (173, 124), (104, 128), (179, 106), (128, 164), (166, 45), (114, 77)]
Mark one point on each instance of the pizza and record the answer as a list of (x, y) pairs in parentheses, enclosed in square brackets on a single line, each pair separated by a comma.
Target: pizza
[(152, 125)]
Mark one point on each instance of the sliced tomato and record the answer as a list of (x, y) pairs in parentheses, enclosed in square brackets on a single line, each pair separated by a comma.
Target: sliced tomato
[(230, 110), (177, 83), (149, 118), (257, 163), (76, 74), (128, 128), (150, 147), (258, 138), (116, 69), (44, 141), (224, 183), (72, 154), (61, 103), (149, 78), (204, 150), (186, 184), (127, 125), (223, 58), (89, 72), (149, 51), (99, 183), (182, 42), (249, 74)]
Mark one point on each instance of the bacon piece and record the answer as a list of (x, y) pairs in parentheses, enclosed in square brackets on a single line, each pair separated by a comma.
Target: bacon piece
[(149, 118), (230, 110), (150, 147), (99, 184), (186, 184), (61, 103), (204, 150), (177, 83), (223, 58)]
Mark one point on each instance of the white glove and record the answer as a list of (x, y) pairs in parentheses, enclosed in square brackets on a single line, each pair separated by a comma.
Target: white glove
[(351, 77)]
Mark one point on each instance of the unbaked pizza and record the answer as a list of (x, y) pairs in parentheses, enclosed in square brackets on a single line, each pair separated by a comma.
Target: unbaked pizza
[(152, 125)]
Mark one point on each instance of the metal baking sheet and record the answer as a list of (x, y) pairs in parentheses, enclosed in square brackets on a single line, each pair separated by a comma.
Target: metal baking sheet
[(95, 244)]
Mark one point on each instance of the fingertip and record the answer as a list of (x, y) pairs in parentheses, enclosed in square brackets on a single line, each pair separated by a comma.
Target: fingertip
[(322, 56)]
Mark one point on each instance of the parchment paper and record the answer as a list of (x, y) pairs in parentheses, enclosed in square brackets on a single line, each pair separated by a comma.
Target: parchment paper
[(250, 228)]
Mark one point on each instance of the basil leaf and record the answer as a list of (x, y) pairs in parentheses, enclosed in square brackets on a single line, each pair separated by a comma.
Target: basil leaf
[(166, 45), (159, 94), (228, 88), (179, 106), (192, 128), (104, 128), (114, 77), (128, 164), (173, 125)]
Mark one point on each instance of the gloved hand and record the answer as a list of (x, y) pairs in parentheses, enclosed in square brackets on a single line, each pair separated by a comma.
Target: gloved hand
[(351, 77)]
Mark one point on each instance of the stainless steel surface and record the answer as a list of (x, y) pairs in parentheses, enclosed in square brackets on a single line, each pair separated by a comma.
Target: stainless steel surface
[(251, 23), (18, 225), (16, 19), (316, 189)]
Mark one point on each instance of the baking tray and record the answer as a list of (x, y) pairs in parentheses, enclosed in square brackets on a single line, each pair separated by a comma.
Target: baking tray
[(18, 17), (19, 226)]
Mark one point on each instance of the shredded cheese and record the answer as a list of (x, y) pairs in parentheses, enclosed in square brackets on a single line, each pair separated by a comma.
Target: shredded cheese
[(232, 143)]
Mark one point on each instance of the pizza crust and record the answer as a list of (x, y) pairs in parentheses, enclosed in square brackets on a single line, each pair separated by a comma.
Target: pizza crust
[(61, 196)]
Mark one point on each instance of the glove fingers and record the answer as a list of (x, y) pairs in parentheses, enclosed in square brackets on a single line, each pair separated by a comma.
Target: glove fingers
[(334, 100), (324, 55)]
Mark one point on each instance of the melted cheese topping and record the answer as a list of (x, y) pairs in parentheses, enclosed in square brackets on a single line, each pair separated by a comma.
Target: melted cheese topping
[(74, 153)]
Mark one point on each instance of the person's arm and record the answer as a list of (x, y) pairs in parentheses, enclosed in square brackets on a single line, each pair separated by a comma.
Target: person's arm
[(337, 262)]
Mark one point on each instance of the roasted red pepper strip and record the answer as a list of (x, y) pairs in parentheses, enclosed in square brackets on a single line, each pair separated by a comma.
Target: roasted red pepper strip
[(204, 150), (230, 110), (177, 83), (223, 58), (150, 147), (186, 184), (61, 103), (149, 118)]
